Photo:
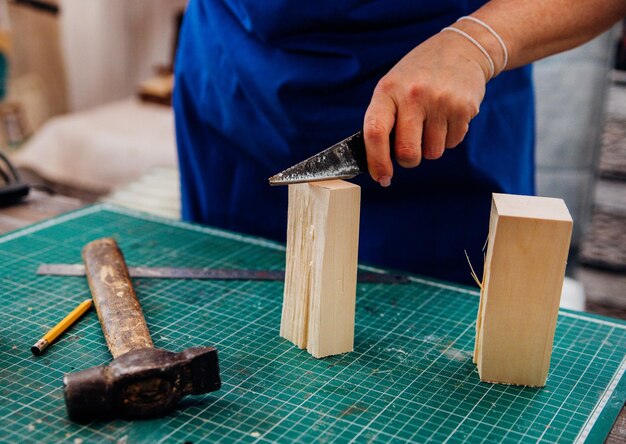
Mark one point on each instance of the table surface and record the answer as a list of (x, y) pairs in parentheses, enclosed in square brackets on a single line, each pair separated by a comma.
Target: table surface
[(457, 365)]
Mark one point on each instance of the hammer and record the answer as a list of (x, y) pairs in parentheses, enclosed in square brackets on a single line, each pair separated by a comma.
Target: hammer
[(141, 381)]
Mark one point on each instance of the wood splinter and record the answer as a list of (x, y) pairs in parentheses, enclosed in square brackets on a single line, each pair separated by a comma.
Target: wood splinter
[(321, 267), (529, 240)]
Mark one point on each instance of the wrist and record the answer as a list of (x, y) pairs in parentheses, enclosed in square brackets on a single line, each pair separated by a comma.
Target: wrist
[(469, 49), (488, 38)]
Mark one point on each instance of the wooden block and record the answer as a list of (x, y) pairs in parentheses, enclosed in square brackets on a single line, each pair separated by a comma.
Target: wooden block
[(529, 240), (321, 266), (157, 89)]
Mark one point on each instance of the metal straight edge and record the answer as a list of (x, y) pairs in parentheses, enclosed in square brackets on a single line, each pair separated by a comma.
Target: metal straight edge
[(212, 273)]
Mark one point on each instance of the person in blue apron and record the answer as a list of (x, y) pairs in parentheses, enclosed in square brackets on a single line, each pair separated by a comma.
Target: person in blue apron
[(262, 85)]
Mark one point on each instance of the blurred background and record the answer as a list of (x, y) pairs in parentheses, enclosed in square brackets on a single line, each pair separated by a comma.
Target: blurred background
[(85, 90)]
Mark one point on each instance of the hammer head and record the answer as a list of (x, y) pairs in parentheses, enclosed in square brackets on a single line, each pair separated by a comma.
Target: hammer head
[(141, 383)]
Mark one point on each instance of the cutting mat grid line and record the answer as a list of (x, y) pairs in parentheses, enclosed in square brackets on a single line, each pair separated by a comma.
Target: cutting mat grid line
[(410, 377)]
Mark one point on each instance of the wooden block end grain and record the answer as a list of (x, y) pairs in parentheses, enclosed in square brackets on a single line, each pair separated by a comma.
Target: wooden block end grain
[(529, 240), (321, 267)]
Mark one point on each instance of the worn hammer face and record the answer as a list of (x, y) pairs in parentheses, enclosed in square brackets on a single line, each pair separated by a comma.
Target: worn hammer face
[(141, 383)]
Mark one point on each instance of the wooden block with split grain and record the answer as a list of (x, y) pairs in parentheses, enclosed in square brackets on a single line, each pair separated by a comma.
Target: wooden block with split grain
[(529, 239), (321, 266)]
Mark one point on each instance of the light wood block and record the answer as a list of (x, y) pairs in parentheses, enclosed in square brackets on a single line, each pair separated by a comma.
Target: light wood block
[(321, 266), (529, 240)]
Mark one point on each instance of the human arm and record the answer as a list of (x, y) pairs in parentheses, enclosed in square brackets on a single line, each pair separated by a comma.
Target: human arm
[(430, 96)]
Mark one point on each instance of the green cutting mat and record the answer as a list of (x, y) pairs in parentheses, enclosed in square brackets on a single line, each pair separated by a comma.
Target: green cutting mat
[(410, 377)]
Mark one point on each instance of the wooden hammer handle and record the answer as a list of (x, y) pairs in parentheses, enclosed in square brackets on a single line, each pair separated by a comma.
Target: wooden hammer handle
[(119, 311)]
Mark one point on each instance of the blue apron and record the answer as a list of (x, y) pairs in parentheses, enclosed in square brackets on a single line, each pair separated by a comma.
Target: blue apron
[(261, 85)]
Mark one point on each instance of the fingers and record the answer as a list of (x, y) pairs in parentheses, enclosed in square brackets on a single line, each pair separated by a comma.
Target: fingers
[(456, 132), (435, 131), (458, 123), (408, 136), (414, 136), (446, 125), (377, 125)]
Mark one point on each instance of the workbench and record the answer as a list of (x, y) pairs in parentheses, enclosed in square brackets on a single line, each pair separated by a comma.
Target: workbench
[(409, 378)]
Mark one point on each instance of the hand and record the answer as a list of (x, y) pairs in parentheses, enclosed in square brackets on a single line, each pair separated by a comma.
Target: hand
[(429, 96)]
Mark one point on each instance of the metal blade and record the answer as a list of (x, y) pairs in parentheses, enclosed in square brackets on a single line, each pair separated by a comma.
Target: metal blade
[(211, 273), (343, 160)]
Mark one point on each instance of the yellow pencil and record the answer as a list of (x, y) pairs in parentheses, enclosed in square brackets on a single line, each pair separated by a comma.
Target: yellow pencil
[(54, 333)]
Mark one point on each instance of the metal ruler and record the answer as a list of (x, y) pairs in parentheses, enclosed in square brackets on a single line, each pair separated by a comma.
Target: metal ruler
[(212, 273)]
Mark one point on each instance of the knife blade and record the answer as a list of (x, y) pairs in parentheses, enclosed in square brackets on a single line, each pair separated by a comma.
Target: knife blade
[(344, 160)]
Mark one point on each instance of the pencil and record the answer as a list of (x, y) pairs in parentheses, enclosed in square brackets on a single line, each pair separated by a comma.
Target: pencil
[(54, 333)]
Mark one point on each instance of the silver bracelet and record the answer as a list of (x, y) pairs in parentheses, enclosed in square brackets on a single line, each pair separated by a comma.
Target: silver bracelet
[(492, 68), (493, 33)]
